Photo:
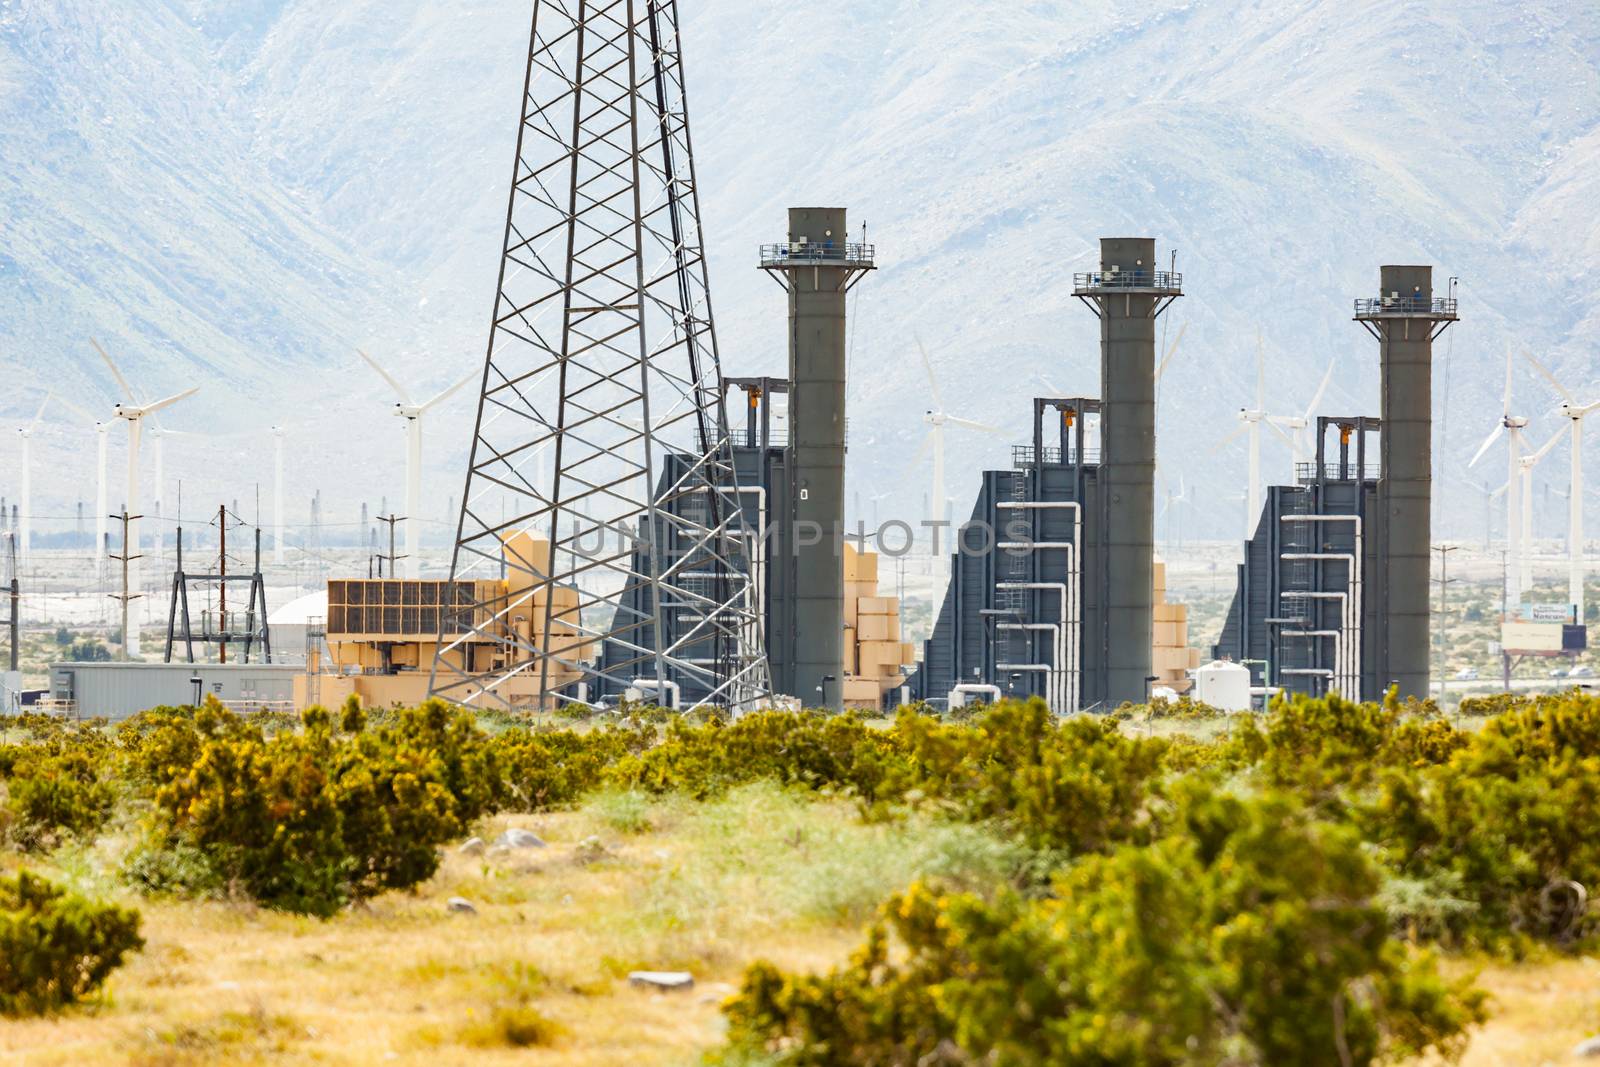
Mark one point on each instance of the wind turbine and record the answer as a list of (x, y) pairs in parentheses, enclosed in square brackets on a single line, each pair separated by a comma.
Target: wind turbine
[(1512, 426), (26, 518), (1251, 420), (134, 414), (1575, 413), (1299, 426), (412, 412), (937, 419)]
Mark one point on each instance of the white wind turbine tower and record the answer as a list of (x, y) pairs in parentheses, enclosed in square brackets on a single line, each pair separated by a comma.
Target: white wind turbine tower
[(1512, 426), (1575, 413), (25, 542), (412, 412), (134, 414), (937, 419)]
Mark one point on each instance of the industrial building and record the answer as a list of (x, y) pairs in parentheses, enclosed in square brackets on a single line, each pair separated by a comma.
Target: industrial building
[(831, 639), (1333, 593), (120, 690), (1053, 582)]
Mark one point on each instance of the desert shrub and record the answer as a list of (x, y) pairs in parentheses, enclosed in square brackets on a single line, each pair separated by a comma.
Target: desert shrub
[(1503, 823), (57, 947), (550, 769), (1077, 785), (55, 794), (1249, 935), (309, 820), (804, 748)]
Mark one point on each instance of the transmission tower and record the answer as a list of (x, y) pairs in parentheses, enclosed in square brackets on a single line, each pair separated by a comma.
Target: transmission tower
[(602, 354)]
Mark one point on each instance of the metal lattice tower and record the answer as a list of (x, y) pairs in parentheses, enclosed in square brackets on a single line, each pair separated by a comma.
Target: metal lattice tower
[(602, 365)]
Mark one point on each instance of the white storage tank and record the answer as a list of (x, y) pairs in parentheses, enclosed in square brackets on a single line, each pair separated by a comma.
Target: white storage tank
[(1223, 685)]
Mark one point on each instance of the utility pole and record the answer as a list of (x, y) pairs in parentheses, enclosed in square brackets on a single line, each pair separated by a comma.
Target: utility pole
[(1441, 639), (222, 593), (127, 556), (15, 597), (391, 520)]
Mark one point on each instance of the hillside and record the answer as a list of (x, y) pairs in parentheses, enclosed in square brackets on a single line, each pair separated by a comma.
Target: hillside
[(239, 194)]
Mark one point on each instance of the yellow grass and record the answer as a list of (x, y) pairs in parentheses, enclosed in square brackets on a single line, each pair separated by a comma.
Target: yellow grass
[(707, 888), (538, 975)]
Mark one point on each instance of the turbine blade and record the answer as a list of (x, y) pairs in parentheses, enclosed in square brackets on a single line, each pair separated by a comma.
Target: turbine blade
[(922, 452), (76, 410), (1311, 408), (1261, 373), (1162, 369), (933, 383), (1551, 378), (1494, 436), (1505, 403), (1283, 435), (1544, 449), (1228, 439), (115, 373), (151, 409), (405, 397), (982, 427), (39, 415), (442, 397)]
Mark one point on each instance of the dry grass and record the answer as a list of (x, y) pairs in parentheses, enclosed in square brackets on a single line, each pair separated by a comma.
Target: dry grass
[(705, 888)]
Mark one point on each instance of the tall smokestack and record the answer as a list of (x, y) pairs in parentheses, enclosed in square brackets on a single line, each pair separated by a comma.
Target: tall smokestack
[(818, 266), (1405, 318), (1127, 294)]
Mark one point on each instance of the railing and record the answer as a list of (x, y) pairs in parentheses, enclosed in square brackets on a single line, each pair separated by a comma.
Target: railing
[(1307, 472), (1442, 306), (1022, 456), (818, 253), (1129, 279)]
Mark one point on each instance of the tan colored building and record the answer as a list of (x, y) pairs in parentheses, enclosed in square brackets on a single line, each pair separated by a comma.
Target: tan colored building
[(874, 655), (1173, 658), (382, 635)]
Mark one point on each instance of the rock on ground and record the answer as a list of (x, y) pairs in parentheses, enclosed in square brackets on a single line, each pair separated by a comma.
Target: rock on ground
[(472, 846), (668, 981), (516, 837), (460, 906)]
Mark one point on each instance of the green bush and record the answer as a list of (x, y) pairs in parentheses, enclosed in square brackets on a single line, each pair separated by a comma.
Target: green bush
[(550, 769), (1248, 935), (51, 795), (1504, 824), (310, 820), (1078, 785), (57, 947)]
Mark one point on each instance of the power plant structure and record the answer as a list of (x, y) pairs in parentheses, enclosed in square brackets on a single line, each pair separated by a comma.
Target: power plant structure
[(1333, 594), (603, 353), (1053, 581)]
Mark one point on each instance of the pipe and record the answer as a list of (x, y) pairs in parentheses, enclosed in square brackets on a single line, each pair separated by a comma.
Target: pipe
[(1349, 618), (644, 684), (966, 689), (1072, 608), (1357, 602), (1064, 655), (1342, 658), (1057, 684)]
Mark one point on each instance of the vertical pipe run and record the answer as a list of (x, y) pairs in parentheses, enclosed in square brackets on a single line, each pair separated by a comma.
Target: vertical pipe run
[(817, 444)]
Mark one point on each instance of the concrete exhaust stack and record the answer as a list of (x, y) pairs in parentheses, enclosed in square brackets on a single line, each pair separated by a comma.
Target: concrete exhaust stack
[(1406, 318), (1128, 293), (817, 265)]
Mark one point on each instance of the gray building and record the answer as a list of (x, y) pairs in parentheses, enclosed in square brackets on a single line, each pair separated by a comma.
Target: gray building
[(121, 690)]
